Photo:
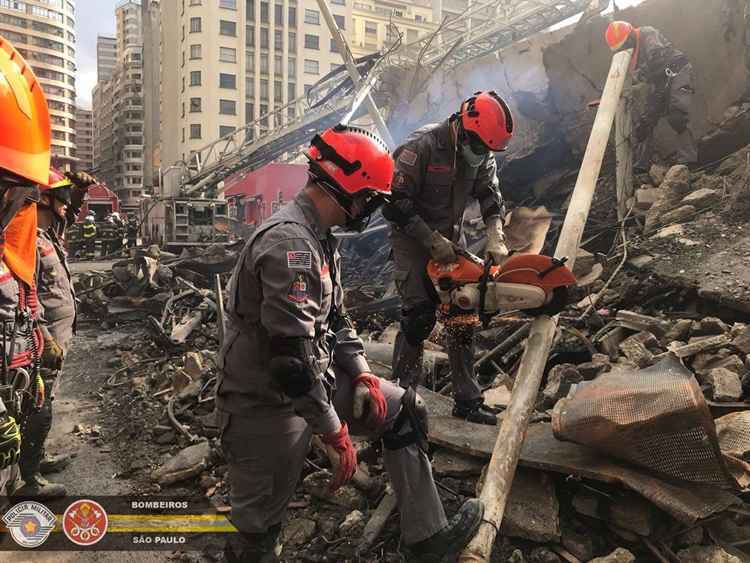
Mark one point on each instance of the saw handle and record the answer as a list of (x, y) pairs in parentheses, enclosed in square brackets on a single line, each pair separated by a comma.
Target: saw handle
[(556, 263)]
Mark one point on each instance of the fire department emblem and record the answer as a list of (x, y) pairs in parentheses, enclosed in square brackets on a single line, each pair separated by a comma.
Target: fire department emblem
[(85, 522), (30, 523), (298, 289)]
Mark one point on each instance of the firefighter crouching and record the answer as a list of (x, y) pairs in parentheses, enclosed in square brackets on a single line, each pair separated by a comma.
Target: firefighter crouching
[(292, 364)]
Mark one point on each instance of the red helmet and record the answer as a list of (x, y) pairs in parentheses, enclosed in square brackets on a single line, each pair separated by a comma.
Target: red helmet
[(352, 159), (25, 133), (487, 116), (617, 34)]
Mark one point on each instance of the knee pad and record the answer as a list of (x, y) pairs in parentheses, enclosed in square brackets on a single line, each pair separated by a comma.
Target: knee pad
[(414, 412), (417, 322)]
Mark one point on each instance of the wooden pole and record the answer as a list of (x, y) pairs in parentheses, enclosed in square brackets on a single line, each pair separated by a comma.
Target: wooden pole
[(502, 466), (624, 150)]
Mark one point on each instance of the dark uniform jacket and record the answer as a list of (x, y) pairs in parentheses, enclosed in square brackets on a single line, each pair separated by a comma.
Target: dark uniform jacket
[(440, 185), (55, 289), (286, 283), (655, 55)]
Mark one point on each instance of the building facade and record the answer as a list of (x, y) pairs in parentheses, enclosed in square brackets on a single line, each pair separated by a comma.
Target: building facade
[(106, 57), (84, 139), (44, 33), (118, 112), (378, 24)]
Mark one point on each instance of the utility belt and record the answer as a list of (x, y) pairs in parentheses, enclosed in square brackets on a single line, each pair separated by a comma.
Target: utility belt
[(18, 390), (19, 370)]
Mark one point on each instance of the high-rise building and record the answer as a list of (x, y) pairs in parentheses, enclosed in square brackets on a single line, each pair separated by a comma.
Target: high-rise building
[(84, 139), (106, 57), (44, 33), (118, 111), (229, 63)]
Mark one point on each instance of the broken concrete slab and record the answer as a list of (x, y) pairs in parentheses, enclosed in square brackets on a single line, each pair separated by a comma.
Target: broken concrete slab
[(634, 348), (627, 511), (610, 342), (447, 463), (188, 463), (671, 231), (710, 326), (640, 262), (298, 531), (559, 381), (676, 182), (706, 554), (543, 555), (702, 345), (598, 365), (645, 197), (532, 512), (701, 198), (658, 173), (353, 521), (619, 555), (726, 385), (741, 340), (680, 331), (639, 322), (679, 215), (317, 484)]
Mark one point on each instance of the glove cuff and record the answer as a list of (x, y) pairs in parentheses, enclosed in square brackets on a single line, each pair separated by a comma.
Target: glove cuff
[(368, 379), (337, 440)]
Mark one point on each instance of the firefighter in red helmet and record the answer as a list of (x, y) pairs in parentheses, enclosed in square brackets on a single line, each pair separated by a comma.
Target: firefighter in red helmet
[(292, 365), (439, 170), (663, 81)]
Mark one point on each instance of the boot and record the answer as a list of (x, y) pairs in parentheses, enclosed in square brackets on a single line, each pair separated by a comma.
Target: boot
[(54, 463), (475, 411), (450, 541), (254, 548), (38, 486)]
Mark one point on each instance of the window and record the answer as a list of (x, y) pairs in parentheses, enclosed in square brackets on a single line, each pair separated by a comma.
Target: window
[(278, 94), (227, 28), (183, 58), (278, 14), (195, 105), (198, 2), (228, 4), (334, 49), (312, 41), (182, 113), (292, 41), (195, 77), (250, 10), (339, 2), (249, 87), (264, 63), (263, 92), (308, 87), (195, 52), (227, 81), (183, 87), (277, 62), (195, 131), (418, 18), (292, 17), (249, 36), (227, 55), (264, 12), (225, 130), (292, 67), (340, 21), (249, 112), (312, 17), (291, 90), (371, 28), (311, 67), (264, 38), (227, 107), (249, 61), (278, 39), (195, 25)]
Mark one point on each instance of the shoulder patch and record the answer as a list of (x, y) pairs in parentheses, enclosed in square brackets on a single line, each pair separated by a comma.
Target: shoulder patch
[(299, 259), (408, 157), (298, 289)]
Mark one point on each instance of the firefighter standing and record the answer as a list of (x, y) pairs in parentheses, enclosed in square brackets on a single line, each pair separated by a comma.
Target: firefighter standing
[(24, 162), (57, 297), (89, 237), (292, 365), (132, 231), (439, 169), (667, 76)]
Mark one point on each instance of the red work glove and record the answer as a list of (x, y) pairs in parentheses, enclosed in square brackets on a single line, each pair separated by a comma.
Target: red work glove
[(369, 400), (343, 456)]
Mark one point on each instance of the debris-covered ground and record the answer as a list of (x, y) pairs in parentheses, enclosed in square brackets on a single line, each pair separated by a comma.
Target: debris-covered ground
[(604, 494)]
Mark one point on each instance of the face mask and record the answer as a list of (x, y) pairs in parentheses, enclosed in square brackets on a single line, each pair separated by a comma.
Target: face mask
[(360, 222), (471, 158)]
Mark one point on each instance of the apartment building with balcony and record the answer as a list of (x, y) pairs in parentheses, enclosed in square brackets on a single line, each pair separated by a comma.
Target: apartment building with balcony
[(43, 31), (84, 139)]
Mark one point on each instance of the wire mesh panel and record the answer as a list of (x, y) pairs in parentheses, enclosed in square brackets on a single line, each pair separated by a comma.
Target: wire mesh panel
[(656, 418)]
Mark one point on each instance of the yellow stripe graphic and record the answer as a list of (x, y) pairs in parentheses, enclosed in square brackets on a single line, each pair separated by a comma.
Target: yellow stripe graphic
[(162, 523)]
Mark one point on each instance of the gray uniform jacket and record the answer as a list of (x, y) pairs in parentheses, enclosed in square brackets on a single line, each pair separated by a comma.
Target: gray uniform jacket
[(655, 54), (286, 283), (55, 289), (19, 313), (440, 185)]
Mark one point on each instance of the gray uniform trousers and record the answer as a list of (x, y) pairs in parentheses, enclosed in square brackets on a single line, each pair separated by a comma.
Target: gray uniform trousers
[(413, 285), (266, 456), (677, 113)]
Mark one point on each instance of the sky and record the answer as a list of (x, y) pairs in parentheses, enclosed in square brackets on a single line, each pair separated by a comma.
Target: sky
[(93, 17), (97, 17)]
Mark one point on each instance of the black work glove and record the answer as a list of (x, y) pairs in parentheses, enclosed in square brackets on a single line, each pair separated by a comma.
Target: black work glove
[(81, 180), (10, 442)]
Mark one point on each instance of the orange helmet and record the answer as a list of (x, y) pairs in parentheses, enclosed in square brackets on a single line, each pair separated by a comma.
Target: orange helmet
[(617, 34), (58, 186), (486, 118), (350, 161), (25, 133)]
